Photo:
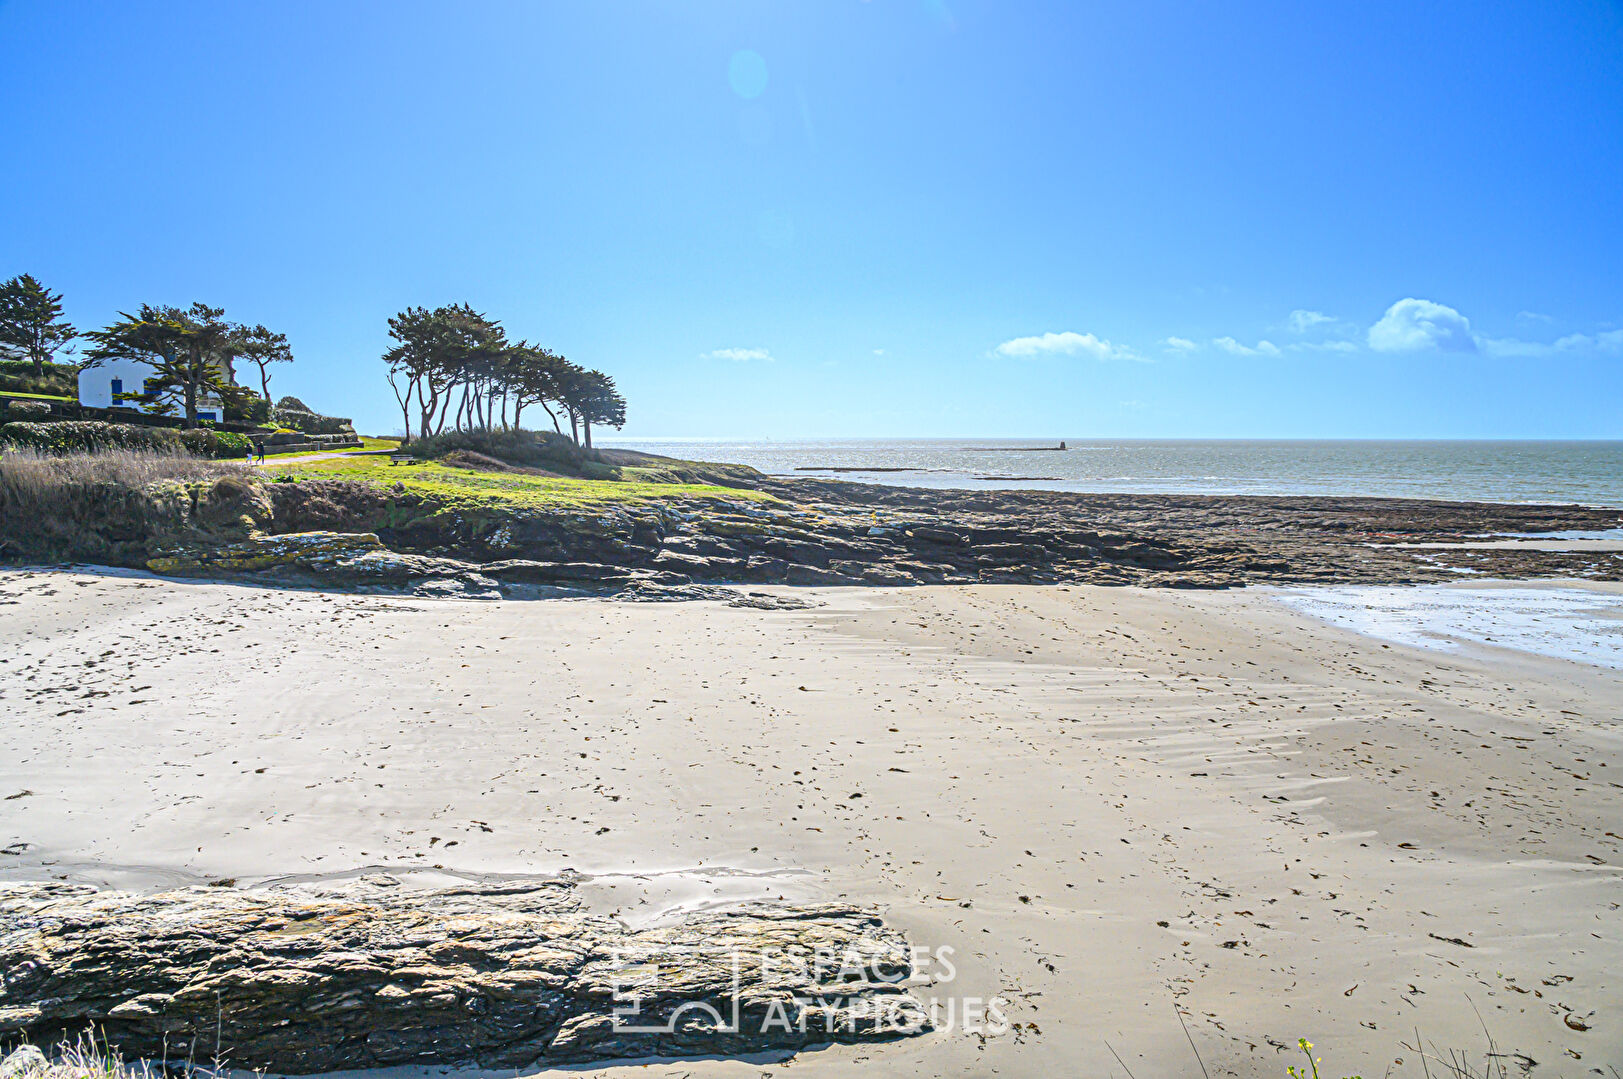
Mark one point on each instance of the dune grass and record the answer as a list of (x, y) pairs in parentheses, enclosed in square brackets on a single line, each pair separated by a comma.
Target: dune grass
[(36, 482), (455, 486)]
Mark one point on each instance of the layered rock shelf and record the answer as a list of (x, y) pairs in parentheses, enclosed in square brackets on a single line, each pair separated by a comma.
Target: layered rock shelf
[(812, 532), (370, 973)]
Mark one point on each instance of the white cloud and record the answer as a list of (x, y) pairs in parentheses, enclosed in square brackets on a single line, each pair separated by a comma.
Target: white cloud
[(1608, 343), (1302, 321), (739, 355), (1180, 344), (1065, 344), (1230, 345), (1413, 325), (1323, 346), (1532, 316)]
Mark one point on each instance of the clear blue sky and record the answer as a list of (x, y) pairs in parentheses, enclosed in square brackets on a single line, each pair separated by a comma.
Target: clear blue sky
[(899, 217)]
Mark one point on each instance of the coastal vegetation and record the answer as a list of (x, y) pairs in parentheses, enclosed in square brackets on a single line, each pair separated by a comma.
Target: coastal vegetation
[(456, 377), (294, 414), (32, 481), (88, 437), (455, 369), (31, 324), (51, 381), (475, 489), (190, 351)]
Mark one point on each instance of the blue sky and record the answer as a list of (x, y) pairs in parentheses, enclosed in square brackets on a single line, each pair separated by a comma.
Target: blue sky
[(845, 218)]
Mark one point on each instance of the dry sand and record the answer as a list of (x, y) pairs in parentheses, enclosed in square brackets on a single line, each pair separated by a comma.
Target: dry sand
[(1103, 800)]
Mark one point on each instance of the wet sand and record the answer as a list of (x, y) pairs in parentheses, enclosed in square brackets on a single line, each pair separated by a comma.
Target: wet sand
[(1105, 801)]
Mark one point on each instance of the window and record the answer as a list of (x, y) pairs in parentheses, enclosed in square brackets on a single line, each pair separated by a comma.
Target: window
[(118, 388)]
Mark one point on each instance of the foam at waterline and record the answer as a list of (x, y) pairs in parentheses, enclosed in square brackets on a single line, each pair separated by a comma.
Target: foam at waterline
[(1585, 625)]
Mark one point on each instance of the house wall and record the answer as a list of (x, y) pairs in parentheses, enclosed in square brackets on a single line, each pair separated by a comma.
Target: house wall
[(96, 383)]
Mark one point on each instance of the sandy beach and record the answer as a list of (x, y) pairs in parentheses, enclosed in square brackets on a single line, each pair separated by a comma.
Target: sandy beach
[(1104, 801)]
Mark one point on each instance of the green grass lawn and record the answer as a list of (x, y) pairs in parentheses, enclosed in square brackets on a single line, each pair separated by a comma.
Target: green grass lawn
[(34, 396), (368, 444), (459, 485)]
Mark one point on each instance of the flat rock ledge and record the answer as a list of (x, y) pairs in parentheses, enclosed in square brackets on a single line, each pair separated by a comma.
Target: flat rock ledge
[(306, 978)]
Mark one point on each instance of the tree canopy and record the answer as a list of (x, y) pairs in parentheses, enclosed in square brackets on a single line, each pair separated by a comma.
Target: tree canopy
[(191, 352), (455, 366), (262, 347), (31, 322)]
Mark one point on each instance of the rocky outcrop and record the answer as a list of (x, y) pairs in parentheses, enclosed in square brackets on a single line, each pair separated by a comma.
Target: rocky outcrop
[(338, 559), (368, 974), (351, 535), (24, 1063)]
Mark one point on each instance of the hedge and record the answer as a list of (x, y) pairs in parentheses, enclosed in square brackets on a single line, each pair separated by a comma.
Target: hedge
[(81, 436)]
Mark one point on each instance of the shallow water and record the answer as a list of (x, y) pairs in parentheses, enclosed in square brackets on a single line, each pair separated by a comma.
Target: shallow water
[(1580, 624), (1584, 472)]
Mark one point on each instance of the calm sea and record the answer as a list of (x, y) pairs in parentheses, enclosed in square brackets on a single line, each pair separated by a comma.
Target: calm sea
[(1585, 472)]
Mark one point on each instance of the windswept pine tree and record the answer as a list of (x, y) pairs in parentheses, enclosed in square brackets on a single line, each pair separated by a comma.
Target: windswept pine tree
[(262, 347), (31, 322), (452, 368), (189, 351)]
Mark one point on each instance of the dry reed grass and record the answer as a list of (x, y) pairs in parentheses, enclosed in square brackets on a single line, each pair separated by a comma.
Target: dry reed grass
[(30, 480)]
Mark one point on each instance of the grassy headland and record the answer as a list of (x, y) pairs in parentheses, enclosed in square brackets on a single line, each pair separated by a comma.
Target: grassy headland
[(469, 488)]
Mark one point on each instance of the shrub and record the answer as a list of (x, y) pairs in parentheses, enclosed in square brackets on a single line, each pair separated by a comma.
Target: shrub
[(292, 404), (250, 409), (539, 449), (59, 379), (224, 444), (25, 409), (85, 436), (312, 424)]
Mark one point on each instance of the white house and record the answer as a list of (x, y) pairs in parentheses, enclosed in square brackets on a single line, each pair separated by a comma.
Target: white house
[(110, 384)]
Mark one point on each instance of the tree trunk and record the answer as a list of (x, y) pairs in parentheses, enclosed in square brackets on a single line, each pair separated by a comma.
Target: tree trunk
[(587, 424), (191, 404), (426, 408), (404, 401)]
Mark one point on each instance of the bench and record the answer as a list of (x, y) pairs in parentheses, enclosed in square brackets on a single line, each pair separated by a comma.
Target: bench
[(402, 459)]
